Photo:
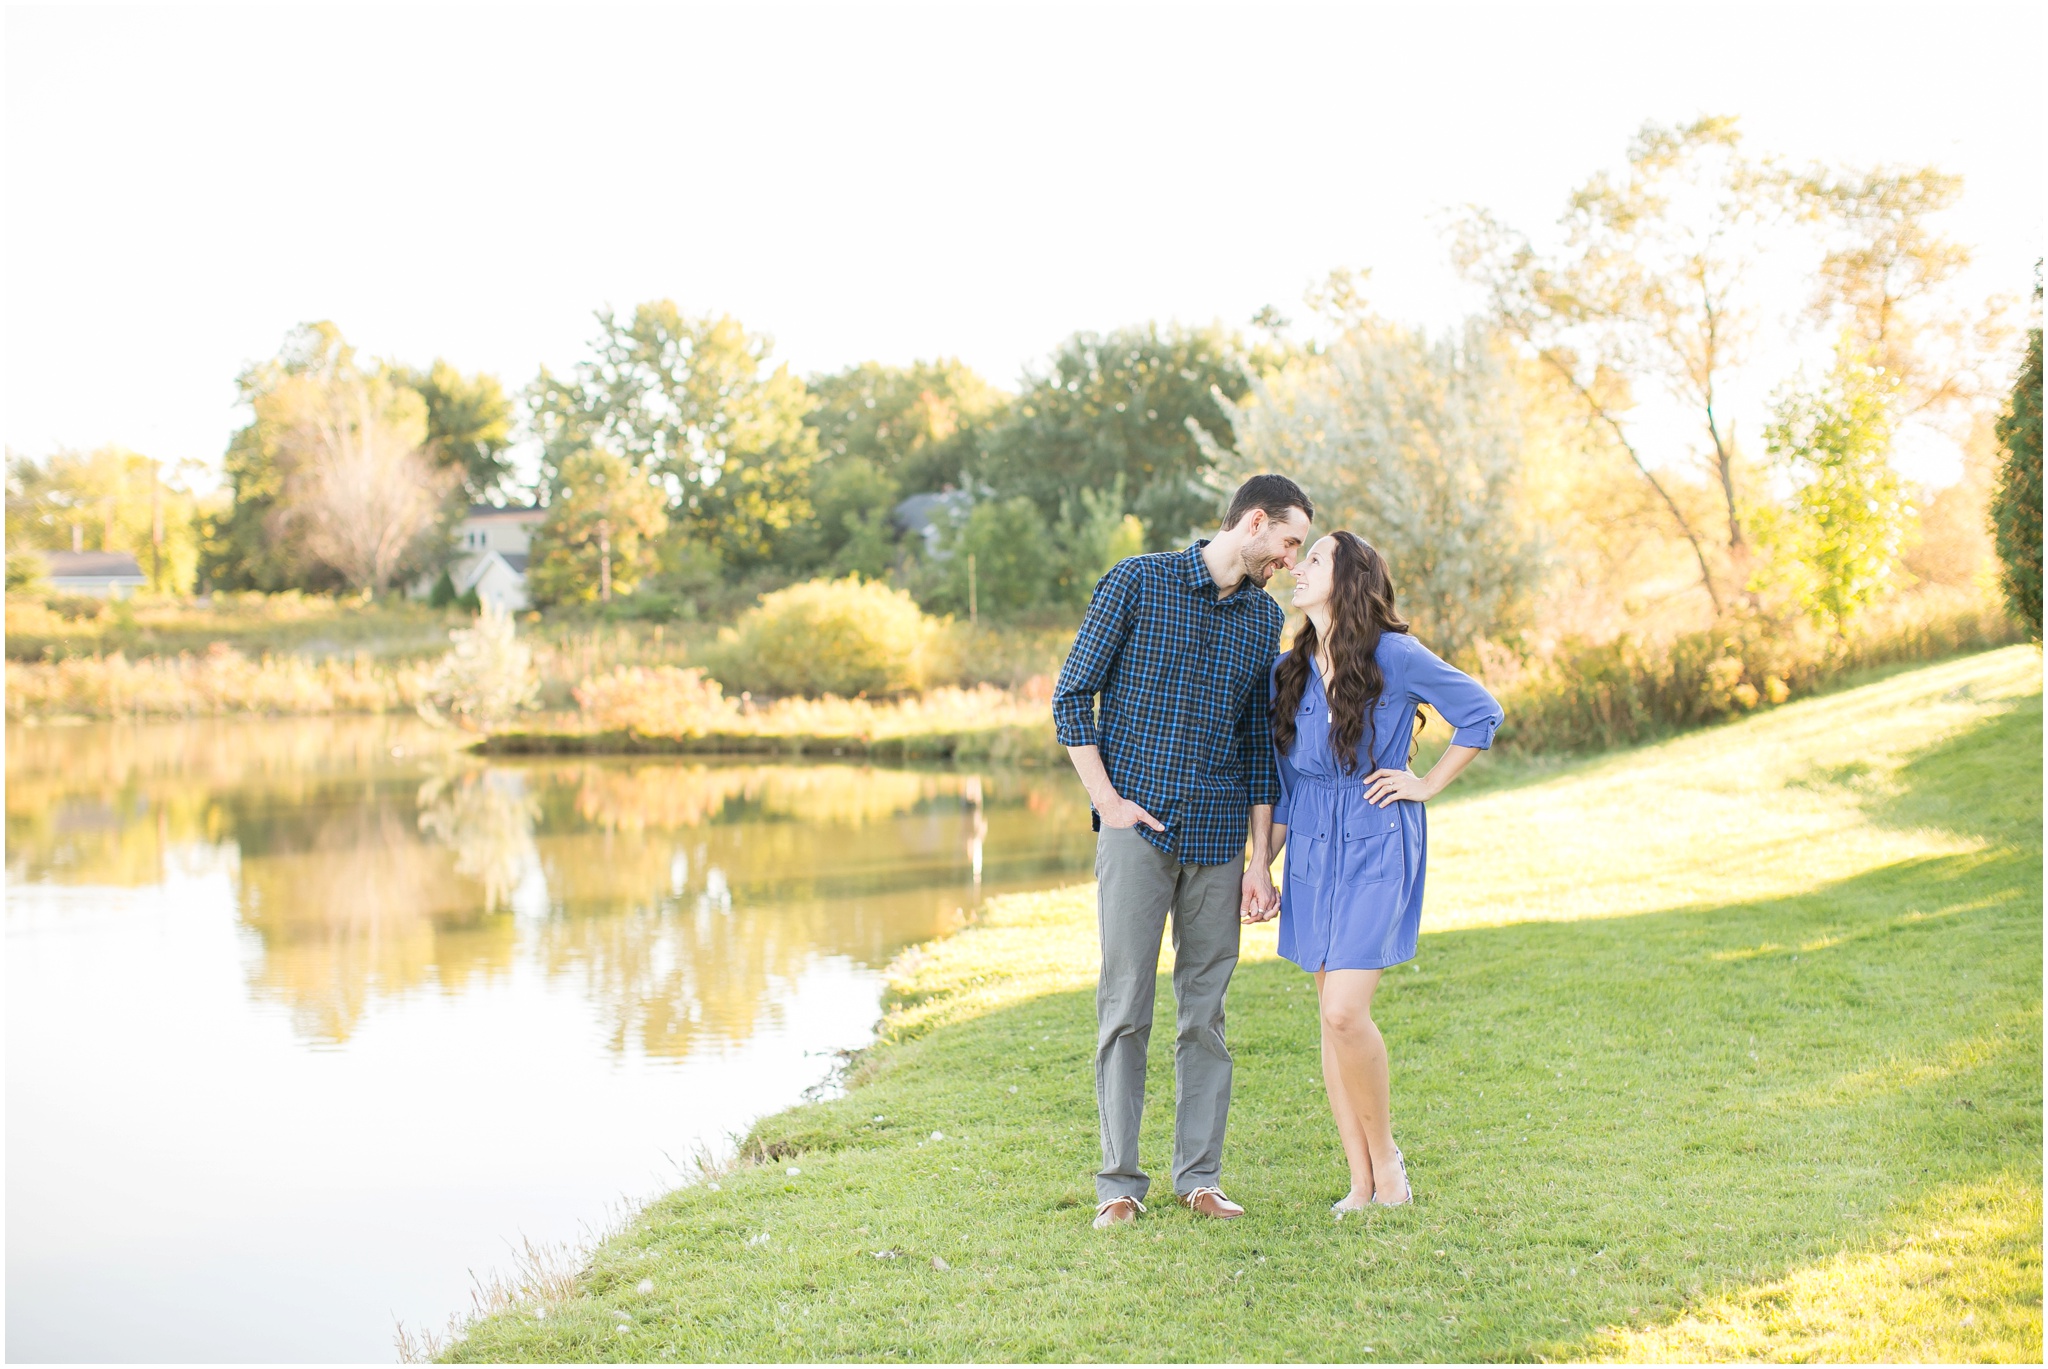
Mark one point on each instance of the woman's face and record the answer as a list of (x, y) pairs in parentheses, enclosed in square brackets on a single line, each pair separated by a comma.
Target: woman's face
[(1313, 576)]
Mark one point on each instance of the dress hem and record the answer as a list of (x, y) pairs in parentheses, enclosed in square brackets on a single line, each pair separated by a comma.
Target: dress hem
[(1326, 965)]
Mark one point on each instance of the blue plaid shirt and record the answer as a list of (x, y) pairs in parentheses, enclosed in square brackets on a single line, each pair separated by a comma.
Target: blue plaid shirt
[(1182, 675)]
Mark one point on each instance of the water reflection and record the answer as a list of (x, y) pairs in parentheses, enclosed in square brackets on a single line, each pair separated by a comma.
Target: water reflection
[(683, 898), (381, 1008)]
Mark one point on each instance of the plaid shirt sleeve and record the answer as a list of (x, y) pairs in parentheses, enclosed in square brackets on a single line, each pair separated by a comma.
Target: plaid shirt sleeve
[(1107, 626)]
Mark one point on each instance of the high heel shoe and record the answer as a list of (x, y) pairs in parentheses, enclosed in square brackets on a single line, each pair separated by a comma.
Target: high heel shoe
[(1401, 1162)]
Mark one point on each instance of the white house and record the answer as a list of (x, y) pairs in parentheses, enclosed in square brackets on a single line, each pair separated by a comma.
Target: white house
[(109, 574), (491, 547)]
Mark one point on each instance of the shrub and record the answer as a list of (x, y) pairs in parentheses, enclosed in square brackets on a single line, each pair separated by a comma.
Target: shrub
[(1586, 697), (486, 677), (664, 701), (828, 637)]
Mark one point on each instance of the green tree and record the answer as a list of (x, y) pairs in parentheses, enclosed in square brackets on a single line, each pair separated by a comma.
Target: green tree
[(1849, 510), (918, 424), (600, 535), (1120, 406), (469, 425), (1006, 547), (2016, 499), (696, 402), (111, 499)]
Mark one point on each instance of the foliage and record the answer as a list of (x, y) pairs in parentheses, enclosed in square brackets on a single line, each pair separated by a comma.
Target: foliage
[(359, 492), (845, 636), (850, 532), (2016, 500), (332, 480), (1415, 446), (486, 677), (696, 402), (1885, 274), (659, 701), (469, 425), (1119, 406), (918, 425), (599, 537), (1585, 696), (1724, 1049), (1647, 291), (1836, 546), (110, 499)]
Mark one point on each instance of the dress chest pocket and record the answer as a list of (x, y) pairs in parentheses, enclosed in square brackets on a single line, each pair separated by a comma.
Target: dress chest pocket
[(1372, 847)]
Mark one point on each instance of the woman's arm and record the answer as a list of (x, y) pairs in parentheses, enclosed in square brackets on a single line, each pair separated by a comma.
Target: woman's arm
[(1460, 701)]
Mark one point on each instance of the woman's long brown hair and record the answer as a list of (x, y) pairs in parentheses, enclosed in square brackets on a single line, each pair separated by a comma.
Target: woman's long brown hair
[(1361, 608)]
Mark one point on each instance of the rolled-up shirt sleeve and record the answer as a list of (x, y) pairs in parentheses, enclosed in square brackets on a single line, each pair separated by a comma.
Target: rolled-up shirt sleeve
[(1255, 748), (1087, 667), (1460, 700)]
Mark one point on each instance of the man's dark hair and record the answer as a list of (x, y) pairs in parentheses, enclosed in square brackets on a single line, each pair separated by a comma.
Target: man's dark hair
[(1276, 494)]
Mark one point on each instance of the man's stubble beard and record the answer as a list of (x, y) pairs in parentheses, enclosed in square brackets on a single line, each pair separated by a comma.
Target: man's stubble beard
[(1258, 567)]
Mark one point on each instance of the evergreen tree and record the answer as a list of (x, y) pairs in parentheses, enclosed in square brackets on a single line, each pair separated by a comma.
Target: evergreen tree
[(2016, 502)]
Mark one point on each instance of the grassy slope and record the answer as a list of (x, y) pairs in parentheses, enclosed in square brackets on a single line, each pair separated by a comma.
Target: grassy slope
[(1725, 1048)]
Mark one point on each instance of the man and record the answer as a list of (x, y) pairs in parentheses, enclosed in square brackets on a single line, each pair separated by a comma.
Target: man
[(1179, 646)]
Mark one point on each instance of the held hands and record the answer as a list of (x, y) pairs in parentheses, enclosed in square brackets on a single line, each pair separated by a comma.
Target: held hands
[(1258, 902), (1384, 787)]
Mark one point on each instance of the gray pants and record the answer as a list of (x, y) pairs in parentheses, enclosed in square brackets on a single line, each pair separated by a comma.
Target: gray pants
[(1139, 886)]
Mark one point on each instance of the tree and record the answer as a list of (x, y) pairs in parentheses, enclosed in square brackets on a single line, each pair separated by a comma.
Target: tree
[(333, 480), (599, 536), (1413, 445), (2016, 499), (111, 499), (696, 403), (1838, 543), (358, 490), (1885, 278), (1119, 406), (1648, 290), (469, 425), (917, 424)]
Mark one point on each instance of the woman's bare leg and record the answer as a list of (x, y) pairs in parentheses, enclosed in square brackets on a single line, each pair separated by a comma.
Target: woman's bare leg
[(1354, 1045), (1356, 1153)]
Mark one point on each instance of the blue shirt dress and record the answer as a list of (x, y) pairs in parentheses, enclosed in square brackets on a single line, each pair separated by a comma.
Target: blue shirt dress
[(1351, 896)]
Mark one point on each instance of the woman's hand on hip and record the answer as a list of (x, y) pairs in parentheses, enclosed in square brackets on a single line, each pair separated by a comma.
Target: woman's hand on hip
[(1384, 787)]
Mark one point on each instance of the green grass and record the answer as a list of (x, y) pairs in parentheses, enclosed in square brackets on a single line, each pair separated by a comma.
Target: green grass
[(1724, 1048)]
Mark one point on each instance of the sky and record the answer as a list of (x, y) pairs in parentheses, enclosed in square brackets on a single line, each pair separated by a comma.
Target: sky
[(184, 184)]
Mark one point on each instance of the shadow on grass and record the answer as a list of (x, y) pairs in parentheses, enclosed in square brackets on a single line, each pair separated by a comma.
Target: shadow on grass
[(1607, 1122)]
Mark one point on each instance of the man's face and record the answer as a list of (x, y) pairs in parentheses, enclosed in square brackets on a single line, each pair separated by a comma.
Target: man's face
[(1274, 545)]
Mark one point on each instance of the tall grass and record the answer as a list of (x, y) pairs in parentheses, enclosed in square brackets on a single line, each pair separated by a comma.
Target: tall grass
[(1586, 697)]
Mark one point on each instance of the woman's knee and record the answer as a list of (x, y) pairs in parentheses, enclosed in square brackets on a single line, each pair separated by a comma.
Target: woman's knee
[(1348, 1020)]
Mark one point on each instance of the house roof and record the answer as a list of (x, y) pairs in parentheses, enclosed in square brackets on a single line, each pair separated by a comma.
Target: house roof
[(514, 559), (920, 511), (93, 565), (523, 514)]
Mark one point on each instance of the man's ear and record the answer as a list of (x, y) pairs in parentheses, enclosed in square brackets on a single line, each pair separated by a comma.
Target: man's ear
[(1255, 522)]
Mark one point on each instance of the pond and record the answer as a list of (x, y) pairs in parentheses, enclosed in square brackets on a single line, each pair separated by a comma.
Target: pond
[(309, 1021)]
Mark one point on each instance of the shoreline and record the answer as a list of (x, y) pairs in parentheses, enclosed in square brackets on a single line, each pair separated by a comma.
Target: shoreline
[(1004, 744)]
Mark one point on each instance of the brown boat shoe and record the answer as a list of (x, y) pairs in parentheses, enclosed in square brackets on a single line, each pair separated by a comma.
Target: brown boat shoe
[(1210, 1202), (1116, 1211)]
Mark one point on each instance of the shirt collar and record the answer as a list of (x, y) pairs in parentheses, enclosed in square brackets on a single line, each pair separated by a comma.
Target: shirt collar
[(1195, 569)]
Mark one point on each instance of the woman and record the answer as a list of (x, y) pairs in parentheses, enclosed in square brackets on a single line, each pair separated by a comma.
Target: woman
[(1346, 709)]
